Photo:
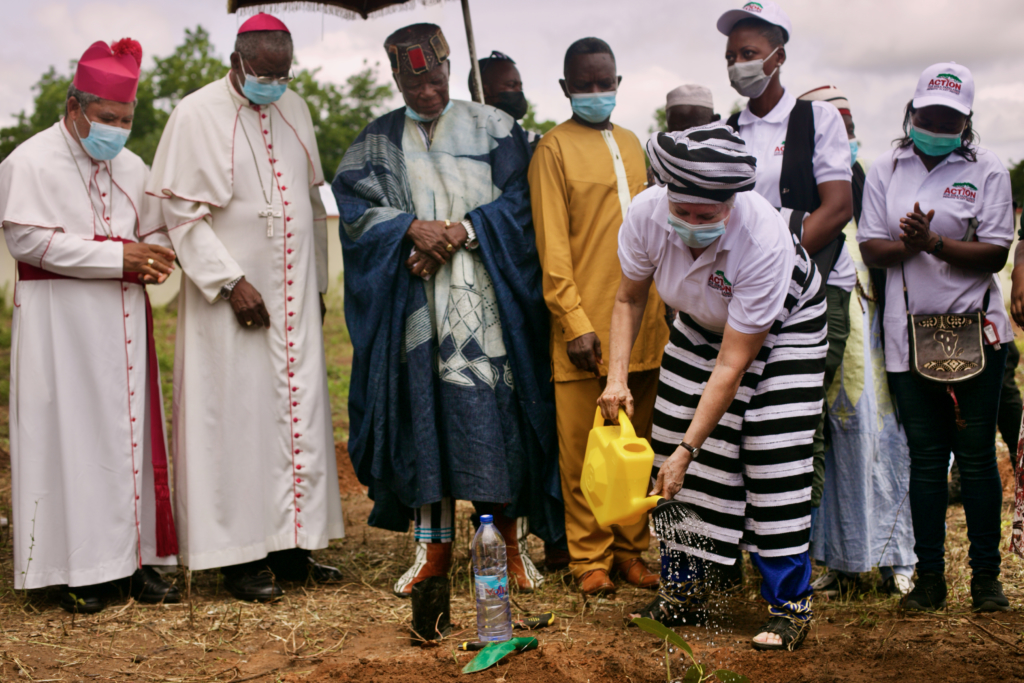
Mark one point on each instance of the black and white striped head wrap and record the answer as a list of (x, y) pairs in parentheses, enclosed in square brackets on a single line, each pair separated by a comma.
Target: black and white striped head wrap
[(702, 165)]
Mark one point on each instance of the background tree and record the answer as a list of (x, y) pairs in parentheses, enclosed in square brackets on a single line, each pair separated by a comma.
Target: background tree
[(660, 122), (339, 112), (531, 123), (1017, 182)]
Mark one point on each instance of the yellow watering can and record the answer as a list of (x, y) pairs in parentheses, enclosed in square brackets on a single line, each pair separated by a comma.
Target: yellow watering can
[(617, 473)]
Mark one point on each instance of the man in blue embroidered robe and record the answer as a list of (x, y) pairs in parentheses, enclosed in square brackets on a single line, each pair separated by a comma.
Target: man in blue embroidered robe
[(450, 394)]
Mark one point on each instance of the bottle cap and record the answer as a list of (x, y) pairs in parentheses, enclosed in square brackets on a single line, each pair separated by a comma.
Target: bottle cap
[(486, 519)]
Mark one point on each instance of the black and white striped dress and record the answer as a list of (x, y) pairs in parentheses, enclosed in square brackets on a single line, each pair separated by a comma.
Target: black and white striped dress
[(751, 484)]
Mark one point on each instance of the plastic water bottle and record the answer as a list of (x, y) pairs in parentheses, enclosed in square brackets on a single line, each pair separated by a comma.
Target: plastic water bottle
[(490, 578)]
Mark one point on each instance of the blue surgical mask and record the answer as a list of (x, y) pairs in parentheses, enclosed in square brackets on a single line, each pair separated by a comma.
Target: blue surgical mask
[(934, 144), (854, 147), (422, 119), (593, 107), (696, 236), (103, 142), (262, 93)]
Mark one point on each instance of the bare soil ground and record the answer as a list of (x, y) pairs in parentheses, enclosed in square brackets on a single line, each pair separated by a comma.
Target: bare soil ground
[(357, 631)]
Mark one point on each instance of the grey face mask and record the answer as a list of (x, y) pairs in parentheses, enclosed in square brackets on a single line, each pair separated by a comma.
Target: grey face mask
[(749, 78)]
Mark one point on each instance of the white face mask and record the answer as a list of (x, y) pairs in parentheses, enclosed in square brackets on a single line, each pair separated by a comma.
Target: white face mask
[(749, 78)]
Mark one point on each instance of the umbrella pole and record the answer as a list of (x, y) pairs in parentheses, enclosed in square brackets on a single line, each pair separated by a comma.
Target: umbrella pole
[(478, 94)]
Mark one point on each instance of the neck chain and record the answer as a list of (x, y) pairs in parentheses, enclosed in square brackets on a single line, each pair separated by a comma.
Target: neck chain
[(256, 163), (108, 226)]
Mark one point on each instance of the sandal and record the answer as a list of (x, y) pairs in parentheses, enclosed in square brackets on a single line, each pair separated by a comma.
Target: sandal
[(669, 611), (791, 631)]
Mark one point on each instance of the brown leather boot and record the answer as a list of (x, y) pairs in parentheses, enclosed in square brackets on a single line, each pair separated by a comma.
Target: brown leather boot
[(432, 559), (514, 531), (596, 582), (635, 571)]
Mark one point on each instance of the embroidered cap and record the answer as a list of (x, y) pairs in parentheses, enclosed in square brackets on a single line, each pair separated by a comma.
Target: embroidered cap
[(110, 71), (416, 49), (690, 94), (830, 94), (946, 84), (765, 10)]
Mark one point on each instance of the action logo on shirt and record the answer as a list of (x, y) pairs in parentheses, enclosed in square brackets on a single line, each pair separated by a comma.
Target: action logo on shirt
[(963, 191), (946, 83), (753, 7), (721, 284), (780, 149)]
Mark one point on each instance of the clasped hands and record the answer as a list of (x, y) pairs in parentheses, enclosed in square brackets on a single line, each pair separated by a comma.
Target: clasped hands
[(617, 395), (154, 263), (917, 234), (435, 243)]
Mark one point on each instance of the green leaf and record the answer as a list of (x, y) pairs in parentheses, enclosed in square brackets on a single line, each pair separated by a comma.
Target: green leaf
[(495, 652), (694, 674), (726, 676), (662, 632)]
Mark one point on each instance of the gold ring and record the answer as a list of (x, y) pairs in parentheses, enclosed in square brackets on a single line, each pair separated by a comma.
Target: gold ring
[(150, 261), (450, 248), (447, 224), (248, 323), (426, 272)]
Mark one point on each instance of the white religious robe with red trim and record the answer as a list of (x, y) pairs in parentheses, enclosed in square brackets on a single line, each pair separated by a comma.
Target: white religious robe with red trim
[(254, 461), (82, 481)]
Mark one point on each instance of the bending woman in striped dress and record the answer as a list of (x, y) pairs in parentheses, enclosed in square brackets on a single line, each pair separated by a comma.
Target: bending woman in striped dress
[(740, 391)]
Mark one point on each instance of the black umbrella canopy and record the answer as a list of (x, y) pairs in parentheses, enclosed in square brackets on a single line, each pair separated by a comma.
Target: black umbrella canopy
[(351, 9)]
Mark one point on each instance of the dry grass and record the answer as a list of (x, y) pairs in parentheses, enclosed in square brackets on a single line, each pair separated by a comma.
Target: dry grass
[(212, 638)]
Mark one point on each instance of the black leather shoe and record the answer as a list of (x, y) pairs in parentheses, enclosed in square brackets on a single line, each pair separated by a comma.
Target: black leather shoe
[(253, 586), (84, 599), (929, 594), (297, 564), (146, 585)]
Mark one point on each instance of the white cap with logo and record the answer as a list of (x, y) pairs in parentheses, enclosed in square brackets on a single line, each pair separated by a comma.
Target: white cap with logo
[(766, 10), (946, 84)]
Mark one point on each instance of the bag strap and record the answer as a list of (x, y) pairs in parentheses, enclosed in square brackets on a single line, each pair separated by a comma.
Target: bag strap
[(797, 186)]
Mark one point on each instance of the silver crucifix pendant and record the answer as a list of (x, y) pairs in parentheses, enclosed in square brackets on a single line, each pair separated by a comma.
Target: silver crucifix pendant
[(270, 215)]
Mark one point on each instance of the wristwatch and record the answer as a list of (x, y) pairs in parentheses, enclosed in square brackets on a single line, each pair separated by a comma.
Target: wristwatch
[(225, 291), (937, 248), (694, 452)]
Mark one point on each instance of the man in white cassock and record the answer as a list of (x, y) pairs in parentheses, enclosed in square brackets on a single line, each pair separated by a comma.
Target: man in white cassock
[(237, 171), (91, 504)]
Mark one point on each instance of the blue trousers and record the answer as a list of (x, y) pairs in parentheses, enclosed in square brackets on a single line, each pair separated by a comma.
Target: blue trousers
[(785, 583), (926, 411)]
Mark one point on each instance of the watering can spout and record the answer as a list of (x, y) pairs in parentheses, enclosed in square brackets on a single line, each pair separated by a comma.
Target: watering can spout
[(617, 473)]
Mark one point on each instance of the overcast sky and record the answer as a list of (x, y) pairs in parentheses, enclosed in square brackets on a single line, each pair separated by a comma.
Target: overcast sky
[(873, 49)]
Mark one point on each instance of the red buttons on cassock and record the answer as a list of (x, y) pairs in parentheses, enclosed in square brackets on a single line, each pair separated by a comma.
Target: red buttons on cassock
[(298, 480), (298, 495), (297, 435), (290, 329), (295, 388), (136, 497), (126, 315), (103, 194), (279, 175), (291, 313), (292, 360), (290, 299), (289, 251), (298, 467), (265, 132), (288, 235), (264, 116), (292, 374), (291, 344), (129, 367), (289, 282), (289, 266), (270, 147), (298, 509), (129, 341), (298, 525), (283, 188), (296, 419), (294, 403), (289, 217), (297, 451), (133, 419), (287, 203)]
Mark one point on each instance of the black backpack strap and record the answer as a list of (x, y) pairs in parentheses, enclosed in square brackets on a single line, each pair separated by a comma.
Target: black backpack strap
[(734, 122), (858, 191), (797, 187)]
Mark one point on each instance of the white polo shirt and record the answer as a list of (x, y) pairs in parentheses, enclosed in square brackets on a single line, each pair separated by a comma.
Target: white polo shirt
[(741, 279), (766, 140), (957, 190)]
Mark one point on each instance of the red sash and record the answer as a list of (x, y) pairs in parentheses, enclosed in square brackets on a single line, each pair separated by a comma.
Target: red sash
[(166, 535)]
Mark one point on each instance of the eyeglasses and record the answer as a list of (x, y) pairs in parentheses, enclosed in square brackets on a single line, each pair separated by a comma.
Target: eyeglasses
[(268, 80)]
